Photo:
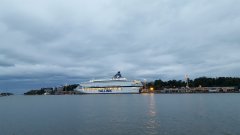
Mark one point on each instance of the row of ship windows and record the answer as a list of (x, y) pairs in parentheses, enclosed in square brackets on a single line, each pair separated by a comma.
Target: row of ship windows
[(109, 88)]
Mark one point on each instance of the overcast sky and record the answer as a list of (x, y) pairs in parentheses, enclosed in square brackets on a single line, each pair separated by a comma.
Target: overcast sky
[(52, 42)]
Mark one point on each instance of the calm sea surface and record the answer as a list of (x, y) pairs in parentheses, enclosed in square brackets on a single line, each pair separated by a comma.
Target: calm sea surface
[(137, 114)]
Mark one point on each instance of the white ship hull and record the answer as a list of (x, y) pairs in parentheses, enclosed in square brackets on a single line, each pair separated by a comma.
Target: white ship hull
[(125, 90)]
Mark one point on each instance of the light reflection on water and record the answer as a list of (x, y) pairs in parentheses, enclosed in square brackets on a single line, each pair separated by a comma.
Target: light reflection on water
[(152, 124)]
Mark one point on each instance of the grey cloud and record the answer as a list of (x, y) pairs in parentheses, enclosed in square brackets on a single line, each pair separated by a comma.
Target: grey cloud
[(5, 64), (68, 42)]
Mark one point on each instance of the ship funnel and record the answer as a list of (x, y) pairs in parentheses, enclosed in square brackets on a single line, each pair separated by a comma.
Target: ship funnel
[(118, 75)]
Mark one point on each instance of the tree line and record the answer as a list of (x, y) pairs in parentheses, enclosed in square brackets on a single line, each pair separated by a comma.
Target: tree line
[(198, 82)]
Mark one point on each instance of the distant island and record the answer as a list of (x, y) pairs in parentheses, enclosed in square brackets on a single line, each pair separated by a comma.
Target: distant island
[(198, 85), (67, 89), (6, 94)]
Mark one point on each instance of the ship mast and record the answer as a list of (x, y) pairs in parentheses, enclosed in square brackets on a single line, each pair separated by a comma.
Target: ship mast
[(187, 80)]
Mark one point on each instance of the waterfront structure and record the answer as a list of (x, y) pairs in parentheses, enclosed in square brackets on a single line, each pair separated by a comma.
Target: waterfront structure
[(199, 90), (117, 84)]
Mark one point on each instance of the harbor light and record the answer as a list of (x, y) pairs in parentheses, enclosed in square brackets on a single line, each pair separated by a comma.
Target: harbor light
[(151, 89)]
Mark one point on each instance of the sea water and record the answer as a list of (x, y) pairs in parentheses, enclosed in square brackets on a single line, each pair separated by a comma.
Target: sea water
[(121, 114)]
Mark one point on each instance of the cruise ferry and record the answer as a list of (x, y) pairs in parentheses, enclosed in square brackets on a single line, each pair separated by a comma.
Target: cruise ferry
[(116, 85)]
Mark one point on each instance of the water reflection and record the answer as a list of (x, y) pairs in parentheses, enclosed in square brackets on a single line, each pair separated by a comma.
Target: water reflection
[(152, 124)]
